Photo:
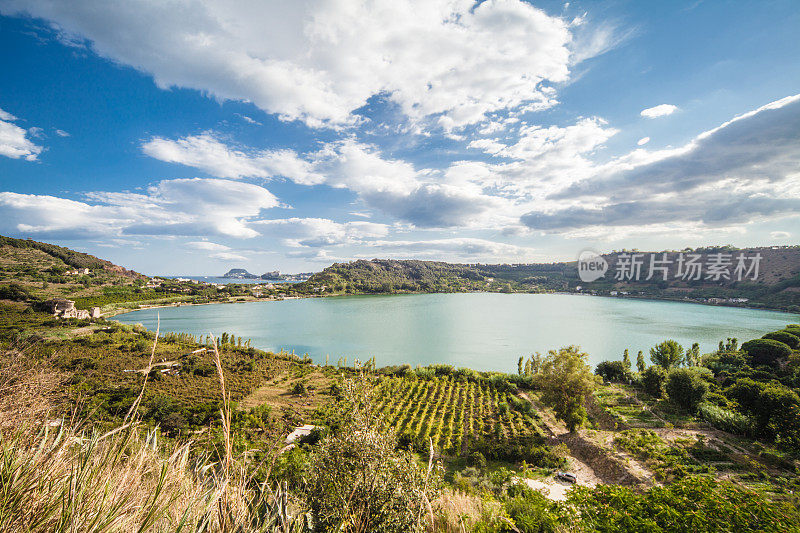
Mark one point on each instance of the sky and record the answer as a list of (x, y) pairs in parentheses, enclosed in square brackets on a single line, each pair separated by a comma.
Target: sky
[(191, 137)]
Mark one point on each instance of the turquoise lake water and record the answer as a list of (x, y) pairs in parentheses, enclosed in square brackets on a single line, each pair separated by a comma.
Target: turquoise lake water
[(484, 331)]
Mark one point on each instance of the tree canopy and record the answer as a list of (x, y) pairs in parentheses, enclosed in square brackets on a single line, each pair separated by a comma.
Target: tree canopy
[(566, 380), (667, 354)]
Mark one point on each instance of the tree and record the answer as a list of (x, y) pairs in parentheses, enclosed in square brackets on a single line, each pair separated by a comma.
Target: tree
[(766, 351), (626, 359), (566, 381), (686, 387), (520, 364), (667, 354), (653, 380), (640, 364), (692, 357), (613, 371)]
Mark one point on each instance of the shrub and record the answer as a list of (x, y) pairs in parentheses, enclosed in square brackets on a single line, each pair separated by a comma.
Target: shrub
[(614, 371), (14, 291), (686, 388), (789, 339), (725, 419), (766, 351), (357, 479), (653, 380)]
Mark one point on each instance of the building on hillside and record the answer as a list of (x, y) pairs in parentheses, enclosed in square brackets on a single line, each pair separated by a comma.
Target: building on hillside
[(78, 272), (63, 308)]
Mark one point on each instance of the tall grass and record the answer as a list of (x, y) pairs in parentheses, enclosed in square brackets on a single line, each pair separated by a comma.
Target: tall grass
[(57, 477)]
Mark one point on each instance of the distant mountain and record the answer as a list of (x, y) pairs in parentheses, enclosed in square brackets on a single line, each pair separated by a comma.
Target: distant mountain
[(239, 273)]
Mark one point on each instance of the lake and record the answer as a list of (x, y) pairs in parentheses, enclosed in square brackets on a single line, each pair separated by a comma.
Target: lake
[(484, 331)]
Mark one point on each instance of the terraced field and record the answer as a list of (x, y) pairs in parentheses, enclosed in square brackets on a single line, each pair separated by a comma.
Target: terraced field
[(453, 412)]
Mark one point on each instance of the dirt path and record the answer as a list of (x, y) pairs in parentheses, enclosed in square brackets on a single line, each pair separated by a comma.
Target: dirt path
[(592, 456)]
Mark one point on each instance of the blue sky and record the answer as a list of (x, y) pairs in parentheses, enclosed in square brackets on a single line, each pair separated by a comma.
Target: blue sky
[(192, 137)]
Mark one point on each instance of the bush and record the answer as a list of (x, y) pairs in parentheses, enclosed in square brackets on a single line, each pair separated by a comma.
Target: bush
[(357, 480), (789, 339), (725, 419), (653, 380), (14, 291), (686, 388), (766, 351), (614, 371)]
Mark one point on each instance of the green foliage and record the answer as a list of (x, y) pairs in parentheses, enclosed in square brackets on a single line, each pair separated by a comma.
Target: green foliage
[(14, 291), (566, 381), (686, 387), (640, 363), (358, 481), (766, 351), (792, 341), (774, 408), (695, 504), (653, 379), (614, 371), (460, 415), (725, 419), (667, 354)]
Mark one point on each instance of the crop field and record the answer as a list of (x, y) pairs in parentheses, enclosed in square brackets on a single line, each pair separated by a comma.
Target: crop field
[(453, 412)]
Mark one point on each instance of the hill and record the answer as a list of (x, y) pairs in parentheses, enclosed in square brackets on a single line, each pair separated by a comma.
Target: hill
[(776, 285)]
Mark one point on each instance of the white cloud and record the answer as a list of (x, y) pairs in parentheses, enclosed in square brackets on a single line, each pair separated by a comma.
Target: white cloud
[(207, 246), (62, 133), (643, 141), (743, 171), (209, 154), (228, 256), (390, 185), (317, 232), (463, 247), (659, 111), (780, 235), (320, 60), (171, 207), (14, 142)]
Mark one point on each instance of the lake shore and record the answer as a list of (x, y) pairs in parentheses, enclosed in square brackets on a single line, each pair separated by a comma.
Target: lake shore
[(251, 299)]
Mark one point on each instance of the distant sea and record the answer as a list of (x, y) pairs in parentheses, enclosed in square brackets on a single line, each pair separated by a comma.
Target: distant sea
[(217, 279)]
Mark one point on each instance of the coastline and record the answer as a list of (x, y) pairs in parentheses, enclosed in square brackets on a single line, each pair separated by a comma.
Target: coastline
[(252, 299)]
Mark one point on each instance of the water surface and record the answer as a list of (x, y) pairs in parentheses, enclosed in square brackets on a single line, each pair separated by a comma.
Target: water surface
[(484, 331)]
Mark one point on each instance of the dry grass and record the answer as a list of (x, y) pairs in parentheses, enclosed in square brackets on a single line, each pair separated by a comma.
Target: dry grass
[(457, 512), (59, 478)]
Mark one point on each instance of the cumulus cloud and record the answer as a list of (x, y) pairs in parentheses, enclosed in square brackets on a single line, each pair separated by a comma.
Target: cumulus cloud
[(317, 232), (455, 247), (228, 256), (209, 154), (746, 169), (394, 186), (171, 207), (319, 60), (543, 159), (659, 111), (14, 142)]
